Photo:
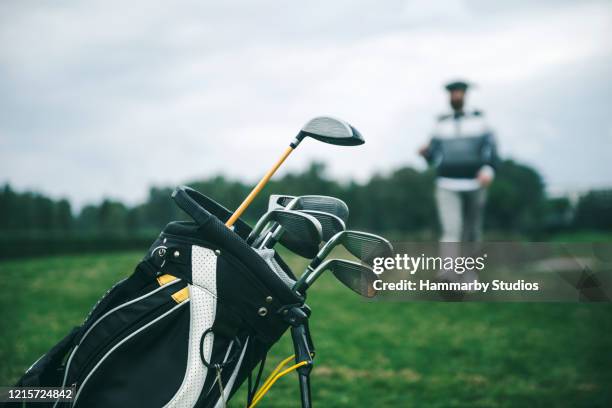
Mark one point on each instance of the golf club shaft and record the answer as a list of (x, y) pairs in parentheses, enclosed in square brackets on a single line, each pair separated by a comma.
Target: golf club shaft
[(264, 241), (274, 230), (308, 276), (247, 201), (301, 285), (304, 281)]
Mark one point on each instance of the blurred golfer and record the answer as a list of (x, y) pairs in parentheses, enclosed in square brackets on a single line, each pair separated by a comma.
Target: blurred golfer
[(463, 152)]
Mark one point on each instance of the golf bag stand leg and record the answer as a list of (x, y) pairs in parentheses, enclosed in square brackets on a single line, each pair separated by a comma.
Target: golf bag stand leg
[(300, 337), (304, 349)]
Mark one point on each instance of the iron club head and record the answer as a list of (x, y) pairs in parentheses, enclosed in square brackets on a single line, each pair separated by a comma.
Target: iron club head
[(301, 232), (363, 245), (330, 224), (357, 277), (323, 203)]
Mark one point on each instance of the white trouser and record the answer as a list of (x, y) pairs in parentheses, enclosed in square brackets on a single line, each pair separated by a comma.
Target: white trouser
[(461, 214)]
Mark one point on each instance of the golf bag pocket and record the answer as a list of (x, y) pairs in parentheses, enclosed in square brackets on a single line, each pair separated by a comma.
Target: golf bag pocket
[(119, 356)]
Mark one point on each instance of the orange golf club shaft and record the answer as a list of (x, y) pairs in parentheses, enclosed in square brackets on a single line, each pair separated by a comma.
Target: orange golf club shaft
[(247, 201)]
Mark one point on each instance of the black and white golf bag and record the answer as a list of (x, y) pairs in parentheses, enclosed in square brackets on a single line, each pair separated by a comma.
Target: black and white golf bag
[(200, 311)]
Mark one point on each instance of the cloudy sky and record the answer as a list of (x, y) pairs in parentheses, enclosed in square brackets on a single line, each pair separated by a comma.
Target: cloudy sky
[(104, 98)]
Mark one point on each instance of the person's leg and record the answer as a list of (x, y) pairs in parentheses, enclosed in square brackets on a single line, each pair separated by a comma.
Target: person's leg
[(449, 213), (473, 213), (472, 210)]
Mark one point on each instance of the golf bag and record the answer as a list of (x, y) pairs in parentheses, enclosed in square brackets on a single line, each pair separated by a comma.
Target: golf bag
[(186, 329)]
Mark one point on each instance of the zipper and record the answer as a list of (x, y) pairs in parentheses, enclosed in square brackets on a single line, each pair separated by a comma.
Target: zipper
[(102, 299), (121, 306)]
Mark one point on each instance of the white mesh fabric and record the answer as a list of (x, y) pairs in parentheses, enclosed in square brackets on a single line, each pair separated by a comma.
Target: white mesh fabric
[(204, 268), (268, 256), (203, 309)]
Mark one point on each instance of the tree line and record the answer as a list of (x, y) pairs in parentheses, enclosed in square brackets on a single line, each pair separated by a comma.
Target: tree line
[(400, 202)]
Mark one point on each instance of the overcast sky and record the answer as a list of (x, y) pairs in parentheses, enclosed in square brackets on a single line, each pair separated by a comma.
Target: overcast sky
[(104, 98)]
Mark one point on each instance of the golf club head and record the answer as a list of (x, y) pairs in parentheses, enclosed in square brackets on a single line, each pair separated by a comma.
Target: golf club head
[(322, 203), (301, 233), (362, 245), (276, 201), (330, 224), (357, 277), (332, 131)]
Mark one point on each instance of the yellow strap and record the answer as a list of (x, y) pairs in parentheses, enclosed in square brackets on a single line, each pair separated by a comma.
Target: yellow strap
[(273, 373), (274, 376), (181, 295), (263, 391), (164, 279)]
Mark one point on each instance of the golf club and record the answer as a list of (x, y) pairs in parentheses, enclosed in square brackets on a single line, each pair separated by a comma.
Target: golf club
[(322, 128), (299, 230), (330, 226), (326, 204), (357, 277), (362, 245)]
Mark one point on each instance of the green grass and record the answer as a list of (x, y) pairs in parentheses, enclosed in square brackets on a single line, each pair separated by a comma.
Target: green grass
[(583, 236), (368, 354)]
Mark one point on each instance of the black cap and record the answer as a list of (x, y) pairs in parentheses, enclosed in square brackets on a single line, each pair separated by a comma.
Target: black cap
[(457, 85)]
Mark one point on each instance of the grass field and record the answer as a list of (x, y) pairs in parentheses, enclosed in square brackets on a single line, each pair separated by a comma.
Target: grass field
[(368, 354)]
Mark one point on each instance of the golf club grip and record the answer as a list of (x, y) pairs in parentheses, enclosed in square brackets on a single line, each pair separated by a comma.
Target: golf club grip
[(183, 196)]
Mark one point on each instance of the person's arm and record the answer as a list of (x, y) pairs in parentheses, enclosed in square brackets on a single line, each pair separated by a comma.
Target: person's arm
[(426, 150), (486, 174)]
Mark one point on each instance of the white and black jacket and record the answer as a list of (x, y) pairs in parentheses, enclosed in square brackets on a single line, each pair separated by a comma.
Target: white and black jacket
[(462, 146)]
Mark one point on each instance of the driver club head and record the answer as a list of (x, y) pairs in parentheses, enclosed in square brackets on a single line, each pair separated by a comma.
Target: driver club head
[(300, 233), (357, 277), (322, 203), (331, 130), (324, 129)]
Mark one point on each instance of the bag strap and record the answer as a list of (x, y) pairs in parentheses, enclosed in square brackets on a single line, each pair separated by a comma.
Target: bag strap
[(201, 208), (185, 198)]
